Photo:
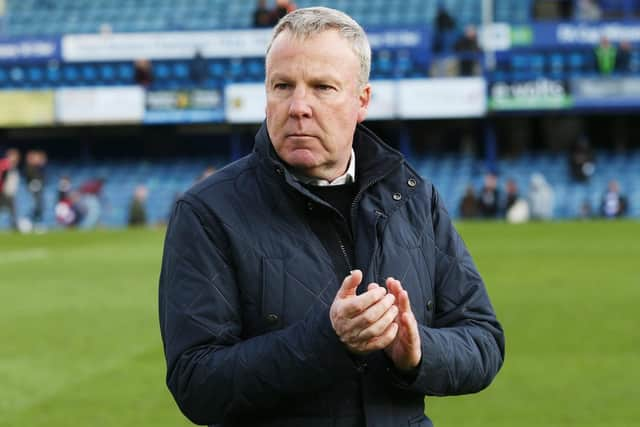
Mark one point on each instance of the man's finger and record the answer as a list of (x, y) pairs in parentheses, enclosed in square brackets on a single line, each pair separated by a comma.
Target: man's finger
[(394, 286), (404, 304), (383, 340), (373, 313), (360, 303), (350, 284), (380, 325)]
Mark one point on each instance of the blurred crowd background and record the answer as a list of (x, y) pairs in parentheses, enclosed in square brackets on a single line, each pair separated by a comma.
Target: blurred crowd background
[(516, 110)]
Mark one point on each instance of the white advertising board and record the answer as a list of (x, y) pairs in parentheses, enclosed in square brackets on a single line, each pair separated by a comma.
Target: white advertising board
[(442, 98), (123, 104)]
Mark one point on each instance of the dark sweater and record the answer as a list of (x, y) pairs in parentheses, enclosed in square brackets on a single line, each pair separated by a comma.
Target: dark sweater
[(333, 231)]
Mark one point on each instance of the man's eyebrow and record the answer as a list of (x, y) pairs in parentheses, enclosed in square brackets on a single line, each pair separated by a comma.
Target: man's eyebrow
[(324, 78), (320, 78)]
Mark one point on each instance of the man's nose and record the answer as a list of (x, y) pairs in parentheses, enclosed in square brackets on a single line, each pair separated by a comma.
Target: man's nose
[(299, 104)]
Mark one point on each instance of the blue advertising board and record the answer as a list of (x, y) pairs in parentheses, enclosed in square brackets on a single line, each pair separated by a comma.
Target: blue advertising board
[(417, 38), (187, 106), (29, 49), (606, 93), (573, 33)]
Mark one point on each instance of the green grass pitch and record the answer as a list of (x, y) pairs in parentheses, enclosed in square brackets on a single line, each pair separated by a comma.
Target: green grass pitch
[(80, 344)]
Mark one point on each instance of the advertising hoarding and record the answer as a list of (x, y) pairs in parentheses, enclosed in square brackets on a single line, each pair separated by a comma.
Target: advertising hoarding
[(442, 98), (100, 105), (539, 94), (26, 108), (185, 106), (29, 49)]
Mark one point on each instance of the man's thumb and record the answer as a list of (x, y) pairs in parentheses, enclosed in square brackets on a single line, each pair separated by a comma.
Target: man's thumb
[(350, 284)]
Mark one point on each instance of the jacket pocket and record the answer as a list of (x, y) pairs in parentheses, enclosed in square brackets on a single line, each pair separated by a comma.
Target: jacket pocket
[(273, 287)]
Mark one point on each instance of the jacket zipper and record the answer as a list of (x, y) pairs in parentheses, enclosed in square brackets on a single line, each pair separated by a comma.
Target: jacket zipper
[(344, 252)]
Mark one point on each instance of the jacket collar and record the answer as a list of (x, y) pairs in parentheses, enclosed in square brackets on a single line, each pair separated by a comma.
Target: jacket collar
[(374, 158)]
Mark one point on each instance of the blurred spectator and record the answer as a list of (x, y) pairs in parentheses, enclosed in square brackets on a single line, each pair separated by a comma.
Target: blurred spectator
[(81, 207), (540, 198), (282, 8), (614, 203), (143, 74), (467, 46), (92, 186), (9, 182), (68, 211), (516, 209), (512, 195), (605, 54), (34, 174), (262, 15), (64, 188), (469, 204), (581, 160), (588, 10), (565, 9), (444, 24), (138, 207), (488, 201), (90, 202), (623, 57), (198, 69), (518, 213)]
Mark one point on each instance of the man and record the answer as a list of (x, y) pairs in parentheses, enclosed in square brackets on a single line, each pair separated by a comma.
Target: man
[(614, 204), (34, 173), (319, 281), (489, 199), (9, 182), (605, 56), (468, 48)]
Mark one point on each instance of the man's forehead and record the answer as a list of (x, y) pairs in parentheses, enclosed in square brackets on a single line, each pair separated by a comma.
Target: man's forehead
[(293, 44)]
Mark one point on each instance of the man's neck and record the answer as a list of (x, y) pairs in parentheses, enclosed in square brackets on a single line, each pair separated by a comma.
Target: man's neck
[(349, 176)]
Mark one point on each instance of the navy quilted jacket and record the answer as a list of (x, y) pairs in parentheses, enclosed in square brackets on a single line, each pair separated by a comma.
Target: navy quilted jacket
[(246, 286)]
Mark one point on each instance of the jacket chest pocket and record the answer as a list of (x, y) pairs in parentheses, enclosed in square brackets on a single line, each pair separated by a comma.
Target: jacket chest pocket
[(272, 298)]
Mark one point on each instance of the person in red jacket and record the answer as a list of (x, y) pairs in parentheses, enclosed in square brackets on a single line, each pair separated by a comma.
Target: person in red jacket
[(9, 181)]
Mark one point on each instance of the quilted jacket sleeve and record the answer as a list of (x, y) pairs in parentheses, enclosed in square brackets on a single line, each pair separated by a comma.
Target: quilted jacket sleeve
[(212, 372), (464, 348)]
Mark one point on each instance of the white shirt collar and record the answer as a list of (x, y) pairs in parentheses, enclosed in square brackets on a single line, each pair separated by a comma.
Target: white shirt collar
[(347, 178)]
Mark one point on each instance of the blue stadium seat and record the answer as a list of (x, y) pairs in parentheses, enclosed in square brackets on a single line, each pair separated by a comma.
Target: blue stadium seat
[(79, 16), (53, 74), (71, 75), (107, 73), (16, 75), (3, 78)]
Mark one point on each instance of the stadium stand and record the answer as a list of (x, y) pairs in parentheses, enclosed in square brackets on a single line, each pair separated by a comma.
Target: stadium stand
[(47, 17), (450, 173)]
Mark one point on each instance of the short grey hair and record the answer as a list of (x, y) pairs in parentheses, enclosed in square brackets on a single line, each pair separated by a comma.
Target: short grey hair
[(307, 22)]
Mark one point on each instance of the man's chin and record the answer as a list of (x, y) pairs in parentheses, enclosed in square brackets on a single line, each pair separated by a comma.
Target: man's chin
[(302, 160)]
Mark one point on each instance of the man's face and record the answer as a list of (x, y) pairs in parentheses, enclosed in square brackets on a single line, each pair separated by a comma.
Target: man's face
[(314, 101)]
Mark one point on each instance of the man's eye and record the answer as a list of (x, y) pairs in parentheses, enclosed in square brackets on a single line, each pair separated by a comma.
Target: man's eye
[(281, 86), (324, 87)]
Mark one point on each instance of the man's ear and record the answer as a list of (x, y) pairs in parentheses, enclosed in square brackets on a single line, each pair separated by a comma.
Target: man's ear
[(364, 97)]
